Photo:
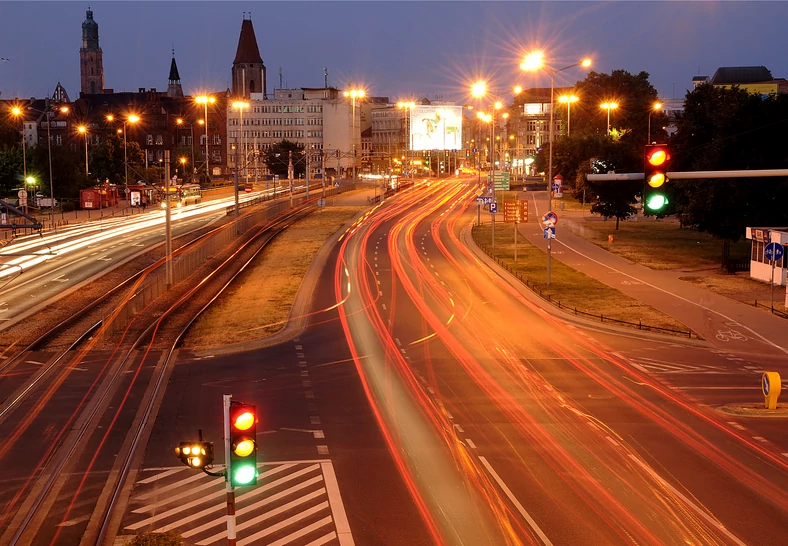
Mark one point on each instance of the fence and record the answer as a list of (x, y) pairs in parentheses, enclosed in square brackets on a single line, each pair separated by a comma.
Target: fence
[(774, 311), (570, 308), (732, 266), (185, 263)]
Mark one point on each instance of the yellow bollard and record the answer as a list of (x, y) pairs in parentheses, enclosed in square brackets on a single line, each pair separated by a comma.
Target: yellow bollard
[(770, 385), (609, 238)]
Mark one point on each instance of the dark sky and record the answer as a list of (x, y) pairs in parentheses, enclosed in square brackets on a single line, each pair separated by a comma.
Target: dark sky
[(395, 49)]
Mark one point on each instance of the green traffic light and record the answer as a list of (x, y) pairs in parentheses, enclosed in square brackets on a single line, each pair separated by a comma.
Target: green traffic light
[(245, 474), (656, 202)]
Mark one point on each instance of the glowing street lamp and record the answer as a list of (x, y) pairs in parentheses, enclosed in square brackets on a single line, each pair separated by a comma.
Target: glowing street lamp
[(656, 107), (608, 106), (84, 130), (408, 105), (206, 100), (129, 119), (535, 61), (354, 94), (181, 121), (568, 100)]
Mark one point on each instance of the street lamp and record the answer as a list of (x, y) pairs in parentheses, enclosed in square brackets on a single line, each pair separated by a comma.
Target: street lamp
[(240, 105), (180, 121), (17, 112), (535, 61), (407, 106), (206, 100), (84, 130), (568, 100), (608, 106), (354, 94), (656, 107), (183, 161), (129, 119)]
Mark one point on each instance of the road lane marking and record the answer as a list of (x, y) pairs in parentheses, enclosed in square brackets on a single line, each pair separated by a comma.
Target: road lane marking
[(702, 513), (516, 503), (470, 443), (337, 508)]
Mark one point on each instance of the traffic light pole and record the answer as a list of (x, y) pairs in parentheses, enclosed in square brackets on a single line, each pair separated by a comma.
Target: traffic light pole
[(690, 175), (226, 401)]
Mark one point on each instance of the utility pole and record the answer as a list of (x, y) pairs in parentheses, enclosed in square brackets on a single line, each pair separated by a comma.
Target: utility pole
[(168, 219), (237, 227), (306, 176), (290, 175), (229, 489)]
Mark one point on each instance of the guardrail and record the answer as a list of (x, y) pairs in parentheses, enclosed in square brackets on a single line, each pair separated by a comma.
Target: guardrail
[(772, 309), (550, 299)]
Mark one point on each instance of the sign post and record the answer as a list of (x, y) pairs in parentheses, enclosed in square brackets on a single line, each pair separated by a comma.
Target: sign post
[(493, 212), (550, 219), (515, 211), (773, 252)]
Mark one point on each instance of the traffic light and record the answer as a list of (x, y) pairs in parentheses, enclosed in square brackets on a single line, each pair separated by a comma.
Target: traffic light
[(655, 169), (195, 454), (243, 445), (467, 153)]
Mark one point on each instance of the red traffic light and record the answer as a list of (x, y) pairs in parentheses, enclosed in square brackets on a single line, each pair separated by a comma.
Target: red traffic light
[(658, 157)]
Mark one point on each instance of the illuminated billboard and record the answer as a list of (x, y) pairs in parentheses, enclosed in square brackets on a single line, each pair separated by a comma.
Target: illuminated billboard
[(436, 128)]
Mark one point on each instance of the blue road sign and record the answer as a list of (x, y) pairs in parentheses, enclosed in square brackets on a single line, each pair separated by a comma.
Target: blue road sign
[(549, 233), (474, 150), (336, 184), (485, 200), (493, 208), (773, 252), (766, 385), (550, 218)]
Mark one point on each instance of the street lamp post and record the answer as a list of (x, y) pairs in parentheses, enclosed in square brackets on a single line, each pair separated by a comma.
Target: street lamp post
[(130, 119), (84, 130), (407, 106), (238, 105), (180, 121), (206, 100), (568, 100), (535, 61), (655, 108), (17, 112), (608, 106), (354, 94)]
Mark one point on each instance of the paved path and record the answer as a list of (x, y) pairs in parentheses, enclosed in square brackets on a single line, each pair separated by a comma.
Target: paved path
[(723, 322)]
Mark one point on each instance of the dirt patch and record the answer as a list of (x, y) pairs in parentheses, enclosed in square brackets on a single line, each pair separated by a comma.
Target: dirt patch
[(260, 304)]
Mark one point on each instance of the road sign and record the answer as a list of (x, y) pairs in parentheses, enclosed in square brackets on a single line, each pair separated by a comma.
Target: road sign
[(336, 184), (773, 252), (500, 181), (515, 211), (321, 202), (485, 200), (474, 150), (771, 385), (22, 194), (549, 233), (493, 208), (550, 219), (276, 179)]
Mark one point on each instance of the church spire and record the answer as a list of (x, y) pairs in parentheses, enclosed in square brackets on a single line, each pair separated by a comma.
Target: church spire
[(174, 88), (91, 64), (248, 68)]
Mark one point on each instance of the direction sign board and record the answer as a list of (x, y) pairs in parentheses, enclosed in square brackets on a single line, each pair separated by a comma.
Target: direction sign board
[(515, 211), (550, 219), (493, 208), (500, 180), (773, 252), (549, 233), (485, 200)]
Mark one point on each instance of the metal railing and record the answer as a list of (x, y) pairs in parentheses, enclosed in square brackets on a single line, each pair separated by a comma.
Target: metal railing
[(774, 311), (571, 308)]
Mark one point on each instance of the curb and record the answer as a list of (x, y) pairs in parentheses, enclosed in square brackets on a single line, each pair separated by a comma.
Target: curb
[(568, 317), (754, 410)]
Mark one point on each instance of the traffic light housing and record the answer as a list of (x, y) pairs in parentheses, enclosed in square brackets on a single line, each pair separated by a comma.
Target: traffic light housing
[(656, 162), (195, 454), (243, 445)]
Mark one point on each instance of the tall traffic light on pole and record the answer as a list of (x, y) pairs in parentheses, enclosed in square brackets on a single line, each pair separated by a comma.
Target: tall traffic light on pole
[(243, 445), (656, 161)]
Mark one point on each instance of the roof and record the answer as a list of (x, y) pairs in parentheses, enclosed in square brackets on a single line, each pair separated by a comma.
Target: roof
[(730, 75), (174, 76), (700, 78), (367, 133), (247, 52)]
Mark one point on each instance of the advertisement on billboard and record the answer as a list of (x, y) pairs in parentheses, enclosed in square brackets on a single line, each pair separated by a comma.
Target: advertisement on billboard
[(436, 127)]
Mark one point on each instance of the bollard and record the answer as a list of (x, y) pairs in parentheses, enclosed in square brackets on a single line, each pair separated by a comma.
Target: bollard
[(770, 385), (609, 238)]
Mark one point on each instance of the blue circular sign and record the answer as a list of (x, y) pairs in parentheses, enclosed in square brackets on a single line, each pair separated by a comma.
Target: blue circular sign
[(766, 385), (773, 252)]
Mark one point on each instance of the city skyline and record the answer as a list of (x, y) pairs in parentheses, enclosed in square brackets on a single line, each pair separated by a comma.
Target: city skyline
[(395, 49)]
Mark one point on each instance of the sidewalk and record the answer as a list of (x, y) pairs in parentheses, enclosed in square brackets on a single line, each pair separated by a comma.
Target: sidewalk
[(726, 324)]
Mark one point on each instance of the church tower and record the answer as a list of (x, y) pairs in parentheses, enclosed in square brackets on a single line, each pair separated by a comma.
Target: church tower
[(248, 69), (174, 88), (91, 64)]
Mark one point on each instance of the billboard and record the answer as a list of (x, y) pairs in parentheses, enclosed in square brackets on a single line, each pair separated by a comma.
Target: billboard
[(436, 128)]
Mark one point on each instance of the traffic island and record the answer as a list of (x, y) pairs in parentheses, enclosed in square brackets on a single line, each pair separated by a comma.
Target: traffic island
[(754, 410)]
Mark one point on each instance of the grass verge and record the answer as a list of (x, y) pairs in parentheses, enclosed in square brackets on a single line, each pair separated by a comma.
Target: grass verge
[(741, 289), (659, 244), (259, 305), (569, 286)]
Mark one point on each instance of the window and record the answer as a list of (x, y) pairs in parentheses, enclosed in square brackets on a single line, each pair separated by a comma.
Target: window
[(202, 140), (217, 139), (216, 156), (159, 140), (149, 140), (58, 140)]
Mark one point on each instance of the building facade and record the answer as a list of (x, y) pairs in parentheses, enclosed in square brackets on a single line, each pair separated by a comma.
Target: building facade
[(319, 118), (248, 71), (91, 62)]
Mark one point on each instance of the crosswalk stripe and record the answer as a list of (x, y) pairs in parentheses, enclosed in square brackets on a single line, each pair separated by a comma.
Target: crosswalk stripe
[(286, 523), (242, 511), (301, 532), (174, 485), (323, 540), (201, 500), (337, 508), (160, 476)]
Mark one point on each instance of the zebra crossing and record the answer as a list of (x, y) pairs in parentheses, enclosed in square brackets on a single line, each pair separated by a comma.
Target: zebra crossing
[(295, 503), (655, 366)]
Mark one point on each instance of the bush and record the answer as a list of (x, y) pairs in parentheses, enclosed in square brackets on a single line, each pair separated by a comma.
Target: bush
[(69, 206), (170, 538)]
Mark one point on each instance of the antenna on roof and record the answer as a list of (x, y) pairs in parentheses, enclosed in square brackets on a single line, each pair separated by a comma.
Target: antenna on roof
[(173, 50), (280, 78), (325, 77)]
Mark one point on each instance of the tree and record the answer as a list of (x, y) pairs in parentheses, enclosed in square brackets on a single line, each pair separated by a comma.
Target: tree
[(730, 129), (277, 158), (107, 160), (10, 132)]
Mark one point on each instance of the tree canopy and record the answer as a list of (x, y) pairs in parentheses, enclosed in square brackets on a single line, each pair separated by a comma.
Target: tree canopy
[(277, 158)]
